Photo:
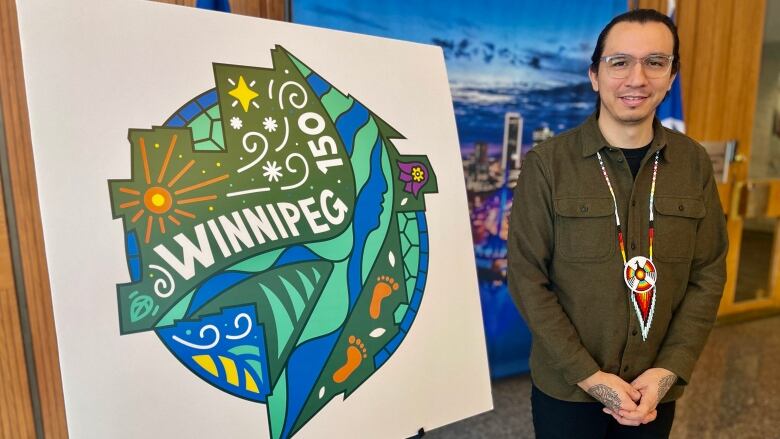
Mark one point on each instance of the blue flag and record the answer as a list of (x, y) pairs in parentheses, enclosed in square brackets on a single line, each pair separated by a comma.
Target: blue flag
[(670, 112)]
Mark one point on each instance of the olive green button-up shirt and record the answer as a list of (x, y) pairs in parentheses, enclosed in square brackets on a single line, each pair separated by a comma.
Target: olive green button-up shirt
[(566, 270)]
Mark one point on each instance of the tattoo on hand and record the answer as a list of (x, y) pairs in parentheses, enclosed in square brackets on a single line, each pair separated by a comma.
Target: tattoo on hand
[(664, 384), (606, 395)]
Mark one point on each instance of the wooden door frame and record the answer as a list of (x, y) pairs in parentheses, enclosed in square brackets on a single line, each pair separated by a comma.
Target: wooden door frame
[(16, 405)]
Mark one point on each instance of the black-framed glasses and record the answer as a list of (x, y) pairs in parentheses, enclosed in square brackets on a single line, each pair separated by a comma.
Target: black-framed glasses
[(654, 66)]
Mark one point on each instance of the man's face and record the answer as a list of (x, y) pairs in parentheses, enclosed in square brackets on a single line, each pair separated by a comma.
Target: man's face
[(632, 100)]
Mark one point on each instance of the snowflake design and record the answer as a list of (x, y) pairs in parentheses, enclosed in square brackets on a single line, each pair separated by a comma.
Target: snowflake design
[(272, 171), (269, 123), (236, 123)]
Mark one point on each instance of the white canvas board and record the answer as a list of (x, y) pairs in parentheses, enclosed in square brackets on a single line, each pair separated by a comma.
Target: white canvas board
[(96, 69)]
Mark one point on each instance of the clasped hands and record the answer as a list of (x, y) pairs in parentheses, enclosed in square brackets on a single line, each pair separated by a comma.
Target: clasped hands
[(630, 404)]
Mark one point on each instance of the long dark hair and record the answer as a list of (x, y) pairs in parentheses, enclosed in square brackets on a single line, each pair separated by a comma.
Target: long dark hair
[(636, 16)]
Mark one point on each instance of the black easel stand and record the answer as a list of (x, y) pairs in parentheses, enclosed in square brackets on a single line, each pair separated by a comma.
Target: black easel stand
[(420, 433)]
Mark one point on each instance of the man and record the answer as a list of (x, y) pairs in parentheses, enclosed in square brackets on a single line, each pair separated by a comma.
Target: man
[(617, 249)]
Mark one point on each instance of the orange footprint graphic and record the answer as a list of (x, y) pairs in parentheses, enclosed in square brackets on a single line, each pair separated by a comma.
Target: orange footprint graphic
[(384, 287), (356, 352)]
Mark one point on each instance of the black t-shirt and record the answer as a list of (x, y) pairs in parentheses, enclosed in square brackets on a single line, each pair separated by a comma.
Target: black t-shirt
[(634, 157)]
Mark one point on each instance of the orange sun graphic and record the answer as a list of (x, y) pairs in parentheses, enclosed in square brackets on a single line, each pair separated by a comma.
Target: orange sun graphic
[(158, 200)]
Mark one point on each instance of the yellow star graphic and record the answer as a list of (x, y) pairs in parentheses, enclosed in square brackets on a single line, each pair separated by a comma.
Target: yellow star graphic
[(243, 93)]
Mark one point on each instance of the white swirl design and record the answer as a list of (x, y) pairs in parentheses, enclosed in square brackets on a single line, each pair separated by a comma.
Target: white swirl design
[(295, 171), (293, 95), (160, 285), (202, 336), (253, 148), (242, 316)]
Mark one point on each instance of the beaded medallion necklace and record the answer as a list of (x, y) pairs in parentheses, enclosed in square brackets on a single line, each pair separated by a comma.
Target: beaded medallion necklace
[(639, 273)]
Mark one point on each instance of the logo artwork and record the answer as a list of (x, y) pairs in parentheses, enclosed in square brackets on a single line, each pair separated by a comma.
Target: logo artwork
[(275, 238)]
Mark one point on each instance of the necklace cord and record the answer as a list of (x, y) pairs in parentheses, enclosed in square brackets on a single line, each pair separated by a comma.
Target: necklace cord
[(651, 230)]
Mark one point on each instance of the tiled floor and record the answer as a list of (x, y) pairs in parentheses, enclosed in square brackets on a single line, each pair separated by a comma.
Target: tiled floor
[(734, 392)]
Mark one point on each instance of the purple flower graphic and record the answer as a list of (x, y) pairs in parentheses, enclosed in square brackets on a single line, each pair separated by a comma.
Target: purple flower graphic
[(414, 174)]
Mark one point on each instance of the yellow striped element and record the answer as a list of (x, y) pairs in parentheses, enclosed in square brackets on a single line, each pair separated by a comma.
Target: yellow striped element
[(206, 363), (230, 370), (250, 383)]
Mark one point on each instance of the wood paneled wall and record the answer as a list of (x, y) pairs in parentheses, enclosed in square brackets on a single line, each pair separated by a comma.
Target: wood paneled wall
[(723, 44), (273, 9), (17, 401), (190, 3), (721, 49), (16, 418), (720, 55)]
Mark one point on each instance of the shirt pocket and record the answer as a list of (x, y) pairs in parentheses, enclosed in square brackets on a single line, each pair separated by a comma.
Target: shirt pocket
[(585, 229), (676, 222)]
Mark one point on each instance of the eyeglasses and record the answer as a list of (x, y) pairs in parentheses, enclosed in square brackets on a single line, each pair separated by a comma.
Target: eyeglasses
[(654, 66)]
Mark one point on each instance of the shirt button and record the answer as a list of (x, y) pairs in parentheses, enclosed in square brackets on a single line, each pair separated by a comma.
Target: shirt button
[(620, 159), (625, 368), (583, 209), (680, 207), (633, 245), (634, 332), (633, 203)]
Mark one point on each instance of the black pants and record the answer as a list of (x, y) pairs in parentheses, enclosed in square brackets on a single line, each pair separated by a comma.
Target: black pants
[(556, 419)]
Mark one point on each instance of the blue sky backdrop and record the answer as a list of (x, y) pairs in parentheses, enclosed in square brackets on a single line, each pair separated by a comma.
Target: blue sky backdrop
[(540, 44), (521, 56)]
